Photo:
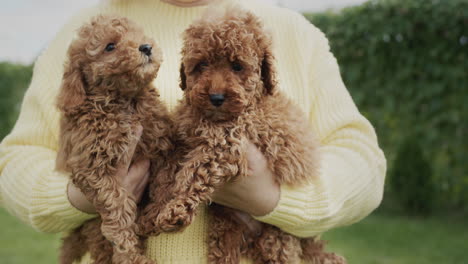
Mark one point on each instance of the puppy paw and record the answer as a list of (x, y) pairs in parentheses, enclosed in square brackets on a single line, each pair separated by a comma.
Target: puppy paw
[(174, 218), (146, 224), (131, 259), (142, 260)]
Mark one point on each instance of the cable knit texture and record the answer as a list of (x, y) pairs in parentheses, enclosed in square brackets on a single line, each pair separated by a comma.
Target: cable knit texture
[(350, 184)]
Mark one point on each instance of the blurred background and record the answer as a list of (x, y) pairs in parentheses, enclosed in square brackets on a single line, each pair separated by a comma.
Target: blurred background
[(405, 62)]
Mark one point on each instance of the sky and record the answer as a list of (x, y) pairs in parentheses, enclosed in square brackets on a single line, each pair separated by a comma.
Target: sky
[(26, 26)]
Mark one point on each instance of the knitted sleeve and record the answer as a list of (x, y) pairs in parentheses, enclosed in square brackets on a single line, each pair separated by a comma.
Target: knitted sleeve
[(350, 184), (30, 188)]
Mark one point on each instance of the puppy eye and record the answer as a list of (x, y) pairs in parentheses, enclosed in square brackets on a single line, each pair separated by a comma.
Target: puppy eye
[(110, 47), (236, 66), (201, 66)]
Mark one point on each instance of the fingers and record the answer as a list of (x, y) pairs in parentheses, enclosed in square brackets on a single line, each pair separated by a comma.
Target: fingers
[(253, 225), (255, 159), (133, 143), (137, 172), (253, 153), (124, 166), (140, 188), (137, 178), (78, 199)]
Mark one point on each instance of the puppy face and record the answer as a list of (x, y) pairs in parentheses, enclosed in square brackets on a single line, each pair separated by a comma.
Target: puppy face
[(226, 64), (110, 53)]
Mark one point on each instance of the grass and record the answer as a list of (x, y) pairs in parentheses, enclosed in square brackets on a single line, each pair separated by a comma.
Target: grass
[(20, 244), (379, 239), (389, 239)]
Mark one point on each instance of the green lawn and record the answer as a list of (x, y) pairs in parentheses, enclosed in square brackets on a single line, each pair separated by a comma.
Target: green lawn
[(379, 239), (20, 244), (384, 239)]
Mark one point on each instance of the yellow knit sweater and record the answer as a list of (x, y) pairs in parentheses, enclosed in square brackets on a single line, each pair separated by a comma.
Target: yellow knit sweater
[(351, 181)]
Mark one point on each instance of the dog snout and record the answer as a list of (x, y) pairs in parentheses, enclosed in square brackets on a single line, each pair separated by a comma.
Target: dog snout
[(217, 99), (146, 49)]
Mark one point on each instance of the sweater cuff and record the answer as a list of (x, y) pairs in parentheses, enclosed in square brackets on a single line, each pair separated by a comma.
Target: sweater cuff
[(290, 213), (51, 209)]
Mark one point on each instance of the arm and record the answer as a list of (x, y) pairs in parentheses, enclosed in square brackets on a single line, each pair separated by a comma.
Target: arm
[(350, 184), (30, 188)]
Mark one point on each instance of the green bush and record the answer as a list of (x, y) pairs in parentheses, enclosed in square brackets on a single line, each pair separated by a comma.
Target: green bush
[(405, 64), (14, 79), (411, 178)]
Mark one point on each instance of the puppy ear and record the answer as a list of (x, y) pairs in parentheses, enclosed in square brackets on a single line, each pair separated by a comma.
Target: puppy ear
[(269, 72), (183, 78), (72, 91)]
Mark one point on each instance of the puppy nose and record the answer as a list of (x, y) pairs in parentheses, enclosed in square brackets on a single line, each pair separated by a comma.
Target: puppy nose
[(217, 99), (146, 49)]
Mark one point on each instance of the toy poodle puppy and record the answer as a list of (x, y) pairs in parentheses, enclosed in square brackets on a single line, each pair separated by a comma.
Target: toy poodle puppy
[(106, 100), (231, 97)]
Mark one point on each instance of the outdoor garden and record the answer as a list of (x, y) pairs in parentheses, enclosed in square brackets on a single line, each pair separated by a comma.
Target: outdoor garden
[(405, 63)]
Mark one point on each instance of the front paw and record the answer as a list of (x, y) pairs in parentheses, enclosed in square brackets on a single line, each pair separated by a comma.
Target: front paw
[(142, 260), (146, 224), (174, 218)]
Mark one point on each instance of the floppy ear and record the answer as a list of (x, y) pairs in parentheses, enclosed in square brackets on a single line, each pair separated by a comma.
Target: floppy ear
[(269, 72), (183, 78), (72, 91)]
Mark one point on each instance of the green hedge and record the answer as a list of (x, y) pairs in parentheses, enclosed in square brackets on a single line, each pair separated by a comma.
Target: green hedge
[(14, 79), (412, 178), (406, 65)]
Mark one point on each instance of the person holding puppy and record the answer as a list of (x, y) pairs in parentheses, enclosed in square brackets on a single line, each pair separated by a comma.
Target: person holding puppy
[(349, 185)]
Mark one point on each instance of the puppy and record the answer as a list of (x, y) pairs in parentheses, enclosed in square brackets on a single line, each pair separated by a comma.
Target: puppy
[(230, 98), (106, 97)]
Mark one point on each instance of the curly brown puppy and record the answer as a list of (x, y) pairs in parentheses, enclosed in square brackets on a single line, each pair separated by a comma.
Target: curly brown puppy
[(231, 97), (106, 98)]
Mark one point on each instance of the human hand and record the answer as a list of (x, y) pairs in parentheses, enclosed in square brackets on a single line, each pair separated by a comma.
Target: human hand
[(132, 177), (258, 193)]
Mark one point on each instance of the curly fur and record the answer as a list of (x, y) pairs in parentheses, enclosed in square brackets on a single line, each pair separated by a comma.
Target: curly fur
[(230, 54), (105, 96)]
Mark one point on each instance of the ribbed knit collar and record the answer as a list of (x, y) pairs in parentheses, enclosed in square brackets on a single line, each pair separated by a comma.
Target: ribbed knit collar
[(166, 13), (193, 4)]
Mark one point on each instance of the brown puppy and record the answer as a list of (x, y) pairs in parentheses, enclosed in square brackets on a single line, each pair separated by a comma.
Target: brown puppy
[(105, 98), (231, 97)]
